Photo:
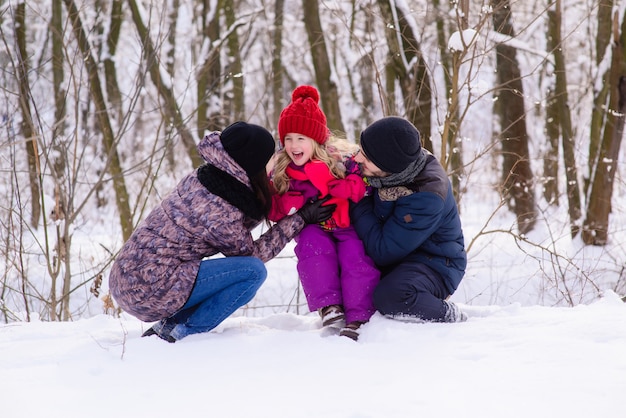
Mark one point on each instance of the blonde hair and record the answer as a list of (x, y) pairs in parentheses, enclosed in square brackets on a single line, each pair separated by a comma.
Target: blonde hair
[(331, 153)]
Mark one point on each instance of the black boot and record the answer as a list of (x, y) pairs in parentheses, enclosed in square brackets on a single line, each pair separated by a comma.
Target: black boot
[(163, 334)]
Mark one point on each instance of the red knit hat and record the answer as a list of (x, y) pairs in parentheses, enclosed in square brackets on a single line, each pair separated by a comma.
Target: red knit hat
[(303, 116)]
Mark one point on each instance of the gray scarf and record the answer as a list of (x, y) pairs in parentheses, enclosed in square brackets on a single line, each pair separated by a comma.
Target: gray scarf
[(403, 177)]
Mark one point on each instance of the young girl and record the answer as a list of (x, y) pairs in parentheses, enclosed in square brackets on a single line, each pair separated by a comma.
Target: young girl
[(337, 276)]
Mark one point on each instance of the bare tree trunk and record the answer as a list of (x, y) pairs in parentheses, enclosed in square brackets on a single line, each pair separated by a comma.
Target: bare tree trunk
[(450, 126), (603, 37), (389, 106), (596, 225), (416, 89), (517, 175), (235, 69), (171, 108), (110, 74), (455, 144), (114, 96), (172, 18), (170, 67), (451, 145), (367, 73), (366, 70), (113, 161), (59, 174), (567, 137), (208, 77), (550, 184), (27, 125), (328, 90), (58, 74), (551, 152), (277, 62), (414, 78)]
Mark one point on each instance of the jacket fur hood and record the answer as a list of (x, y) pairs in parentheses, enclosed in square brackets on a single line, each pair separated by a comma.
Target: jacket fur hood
[(212, 151)]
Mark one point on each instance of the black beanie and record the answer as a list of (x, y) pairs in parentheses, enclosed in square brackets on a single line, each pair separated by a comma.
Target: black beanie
[(392, 143), (251, 146)]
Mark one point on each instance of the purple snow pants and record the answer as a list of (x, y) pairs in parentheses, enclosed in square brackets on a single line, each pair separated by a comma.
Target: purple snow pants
[(334, 270)]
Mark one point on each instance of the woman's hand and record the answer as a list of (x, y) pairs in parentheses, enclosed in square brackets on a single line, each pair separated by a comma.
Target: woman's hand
[(315, 212)]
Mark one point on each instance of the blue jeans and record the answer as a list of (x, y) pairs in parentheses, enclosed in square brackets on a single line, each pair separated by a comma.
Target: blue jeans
[(222, 286)]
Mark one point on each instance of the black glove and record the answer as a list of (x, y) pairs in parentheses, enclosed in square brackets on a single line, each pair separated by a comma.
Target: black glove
[(314, 212)]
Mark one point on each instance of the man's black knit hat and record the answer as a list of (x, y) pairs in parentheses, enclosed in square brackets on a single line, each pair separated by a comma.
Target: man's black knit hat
[(392, 143)]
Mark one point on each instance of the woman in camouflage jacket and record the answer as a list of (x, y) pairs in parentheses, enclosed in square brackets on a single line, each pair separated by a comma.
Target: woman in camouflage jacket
[(162, 274)]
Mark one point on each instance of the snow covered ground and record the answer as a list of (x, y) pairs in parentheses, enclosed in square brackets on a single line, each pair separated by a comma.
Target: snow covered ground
[(505, 361), (522, 353)]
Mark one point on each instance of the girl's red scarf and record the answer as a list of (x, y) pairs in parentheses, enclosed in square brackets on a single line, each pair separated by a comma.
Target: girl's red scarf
[(318, 173)]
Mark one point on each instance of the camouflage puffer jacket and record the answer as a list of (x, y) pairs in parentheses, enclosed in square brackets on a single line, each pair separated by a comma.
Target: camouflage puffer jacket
[(156, 269)]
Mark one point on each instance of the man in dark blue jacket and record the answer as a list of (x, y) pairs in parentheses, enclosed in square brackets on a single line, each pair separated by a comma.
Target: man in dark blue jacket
[(410, 225)]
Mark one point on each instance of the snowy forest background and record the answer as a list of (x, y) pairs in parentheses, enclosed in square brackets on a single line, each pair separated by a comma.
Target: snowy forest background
[(102, 104)]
